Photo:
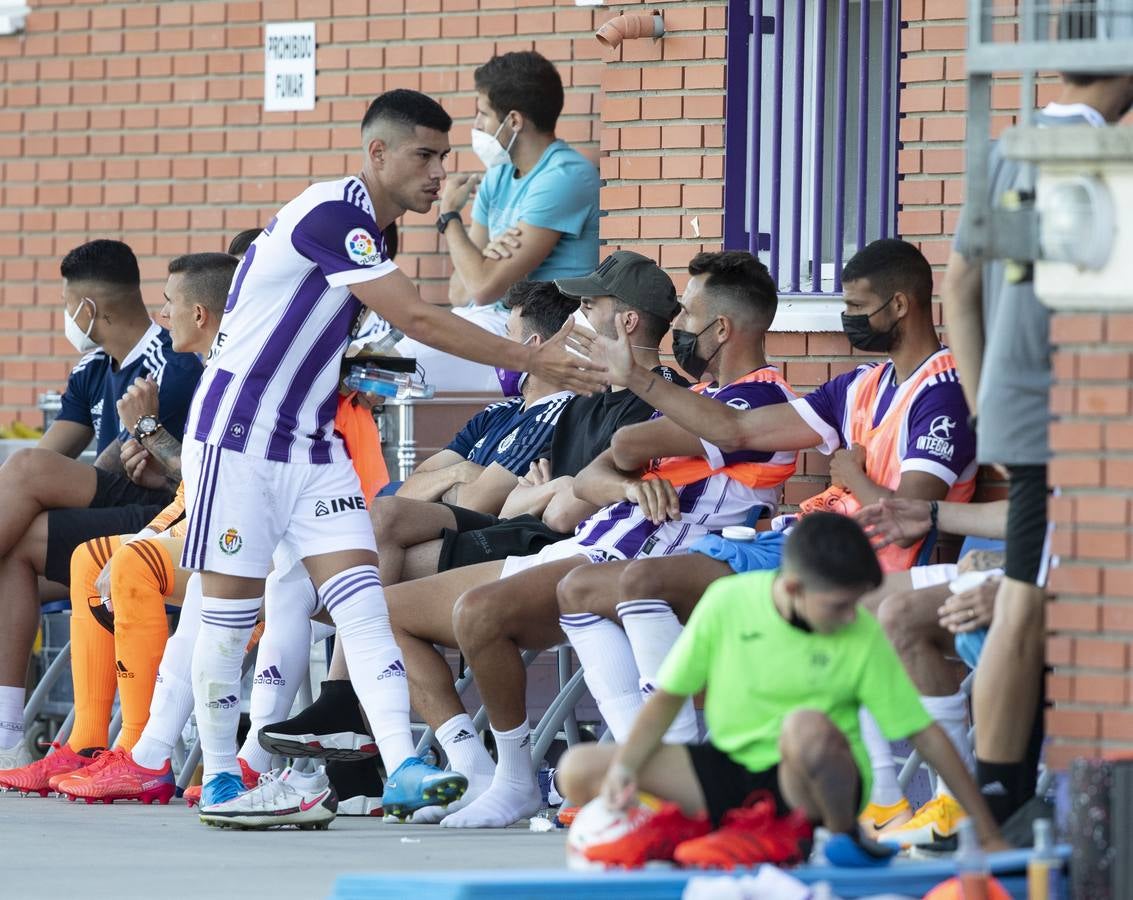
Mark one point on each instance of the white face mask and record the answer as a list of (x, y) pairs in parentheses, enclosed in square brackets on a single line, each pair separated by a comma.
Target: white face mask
[(486, 147), (80, 340)]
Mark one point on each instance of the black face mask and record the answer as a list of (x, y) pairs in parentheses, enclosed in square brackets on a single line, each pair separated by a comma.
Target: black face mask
[(862, 335), (684, 350)]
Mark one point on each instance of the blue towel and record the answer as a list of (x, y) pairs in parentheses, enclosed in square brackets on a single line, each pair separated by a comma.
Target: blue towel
[(764, 552), (970, 644)]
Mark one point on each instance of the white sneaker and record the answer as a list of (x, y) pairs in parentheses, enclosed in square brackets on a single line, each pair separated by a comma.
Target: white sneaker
[(360, 806), (289, 798), (16, 757)]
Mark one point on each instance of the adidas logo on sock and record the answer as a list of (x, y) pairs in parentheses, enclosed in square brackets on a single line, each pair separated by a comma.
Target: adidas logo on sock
[(463, 735), (122, 671), (994, 789), (228, 702), (525, 742), (647, 688), (270, 675), (396, 669)]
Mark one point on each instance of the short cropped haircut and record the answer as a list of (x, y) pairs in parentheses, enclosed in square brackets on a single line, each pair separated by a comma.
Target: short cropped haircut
[(208, 277), (653, 326), (544, 309), (407, 109), (240, 242), (892, 265), (523, 81), (740, 280), (828, 551), (105, 261)]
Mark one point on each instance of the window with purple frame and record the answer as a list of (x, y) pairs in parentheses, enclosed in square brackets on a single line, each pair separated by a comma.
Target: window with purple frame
[(811, 137)]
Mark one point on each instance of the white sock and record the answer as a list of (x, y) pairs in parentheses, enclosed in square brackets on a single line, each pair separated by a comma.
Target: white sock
[(514, 793), (282, 656), (12, 701), (226, 626), (652, 628), (172, 701), (608, 667), (886, 790), (355, 601), (467, 756), (951, 714)]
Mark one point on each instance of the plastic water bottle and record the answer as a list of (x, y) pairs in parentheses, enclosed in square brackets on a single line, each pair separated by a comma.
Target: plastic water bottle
[(386, 342), (971, 864), (372, 380), (1044, 868)]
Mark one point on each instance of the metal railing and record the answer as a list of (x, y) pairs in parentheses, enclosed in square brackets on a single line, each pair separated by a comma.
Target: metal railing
[(811, 143)]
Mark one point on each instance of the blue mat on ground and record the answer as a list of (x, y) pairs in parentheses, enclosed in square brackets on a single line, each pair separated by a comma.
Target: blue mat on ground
[(912, 877)]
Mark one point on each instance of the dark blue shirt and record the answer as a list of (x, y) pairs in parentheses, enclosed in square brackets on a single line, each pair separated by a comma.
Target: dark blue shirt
[(508, 434), (96, 384)]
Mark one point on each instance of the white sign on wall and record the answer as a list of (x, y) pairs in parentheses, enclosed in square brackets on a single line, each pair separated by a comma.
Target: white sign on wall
[(289, 66)]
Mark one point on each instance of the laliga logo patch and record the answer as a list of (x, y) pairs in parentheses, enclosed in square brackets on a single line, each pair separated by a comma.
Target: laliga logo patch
[(231, 542), (362, 248)]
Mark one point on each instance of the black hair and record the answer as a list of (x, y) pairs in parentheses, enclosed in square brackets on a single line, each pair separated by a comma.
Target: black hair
[(208, 277), (390, 236), (740, 279), (892, 265), (543, 305), (105, 261), (407, 109), (653, 326), (240, 242), (523, 81), (830, 551)]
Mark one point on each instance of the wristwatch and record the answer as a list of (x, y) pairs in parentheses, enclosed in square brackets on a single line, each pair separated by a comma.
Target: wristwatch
[(444, 218), (145, 426)]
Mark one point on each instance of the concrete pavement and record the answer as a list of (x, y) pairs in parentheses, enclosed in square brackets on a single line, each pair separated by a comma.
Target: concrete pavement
[(50, 848)]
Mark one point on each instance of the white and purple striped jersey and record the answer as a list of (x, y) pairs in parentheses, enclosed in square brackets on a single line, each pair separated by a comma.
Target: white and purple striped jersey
[(271, 387), (621, 531)]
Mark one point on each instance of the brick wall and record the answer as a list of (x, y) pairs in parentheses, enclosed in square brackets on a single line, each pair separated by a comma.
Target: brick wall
[(1091, 623), (143, 121)]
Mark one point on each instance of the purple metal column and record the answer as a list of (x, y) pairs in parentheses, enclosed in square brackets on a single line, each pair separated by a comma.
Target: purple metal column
[(797, 175), (755, 121), (863, 120), (777, 141), (885, 156), (819, 131), (840, 141), (736, 125)]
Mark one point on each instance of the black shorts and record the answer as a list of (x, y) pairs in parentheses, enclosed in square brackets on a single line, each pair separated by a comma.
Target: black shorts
[(727, 785), (115, 489), (1026, 523), (67, 528), (492, 540)]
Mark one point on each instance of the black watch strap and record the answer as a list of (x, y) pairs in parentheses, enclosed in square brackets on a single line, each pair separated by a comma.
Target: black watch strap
[(444, 218)]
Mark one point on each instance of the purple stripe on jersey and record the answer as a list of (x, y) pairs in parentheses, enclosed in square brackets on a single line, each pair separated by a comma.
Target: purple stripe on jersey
[(214, 477), (323, 349), (677, 541), (270, 225), (239, 426), (619, 513), (367, 585), (320, 447), (238, 282), (630, 543), (210, 403), (192, 550)]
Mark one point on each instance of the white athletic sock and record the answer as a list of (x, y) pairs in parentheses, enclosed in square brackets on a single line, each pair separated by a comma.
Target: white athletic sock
[(514, 793), (282, 656), (886, 790), (226, 626), (608, 667), (466, 755), (951, 714), (355, 601), (652, 629), (172, 701), (12, 701)]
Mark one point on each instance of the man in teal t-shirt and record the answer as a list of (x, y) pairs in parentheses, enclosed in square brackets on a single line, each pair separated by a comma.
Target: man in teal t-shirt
[(536, 209), (786, 659)]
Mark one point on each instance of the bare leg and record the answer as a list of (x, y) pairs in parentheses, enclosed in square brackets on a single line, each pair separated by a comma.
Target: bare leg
[(678, 580), (817, 772), (668, 774), (400, 523), (32, 481), (912, 624), (19, 601)]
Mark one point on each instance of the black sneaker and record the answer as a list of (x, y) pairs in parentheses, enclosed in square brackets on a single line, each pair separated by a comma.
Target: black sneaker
[(359, 786), (330, 728)]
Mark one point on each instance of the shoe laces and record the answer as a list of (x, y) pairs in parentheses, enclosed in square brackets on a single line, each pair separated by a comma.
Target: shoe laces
[(936, 808), (104, 759)]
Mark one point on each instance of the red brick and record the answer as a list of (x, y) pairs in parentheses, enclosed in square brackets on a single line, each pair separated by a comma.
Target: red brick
[(1108, 690), (1072, 616), (1102, 401), (1073, 723), (1100, 654), (1076, 328)]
